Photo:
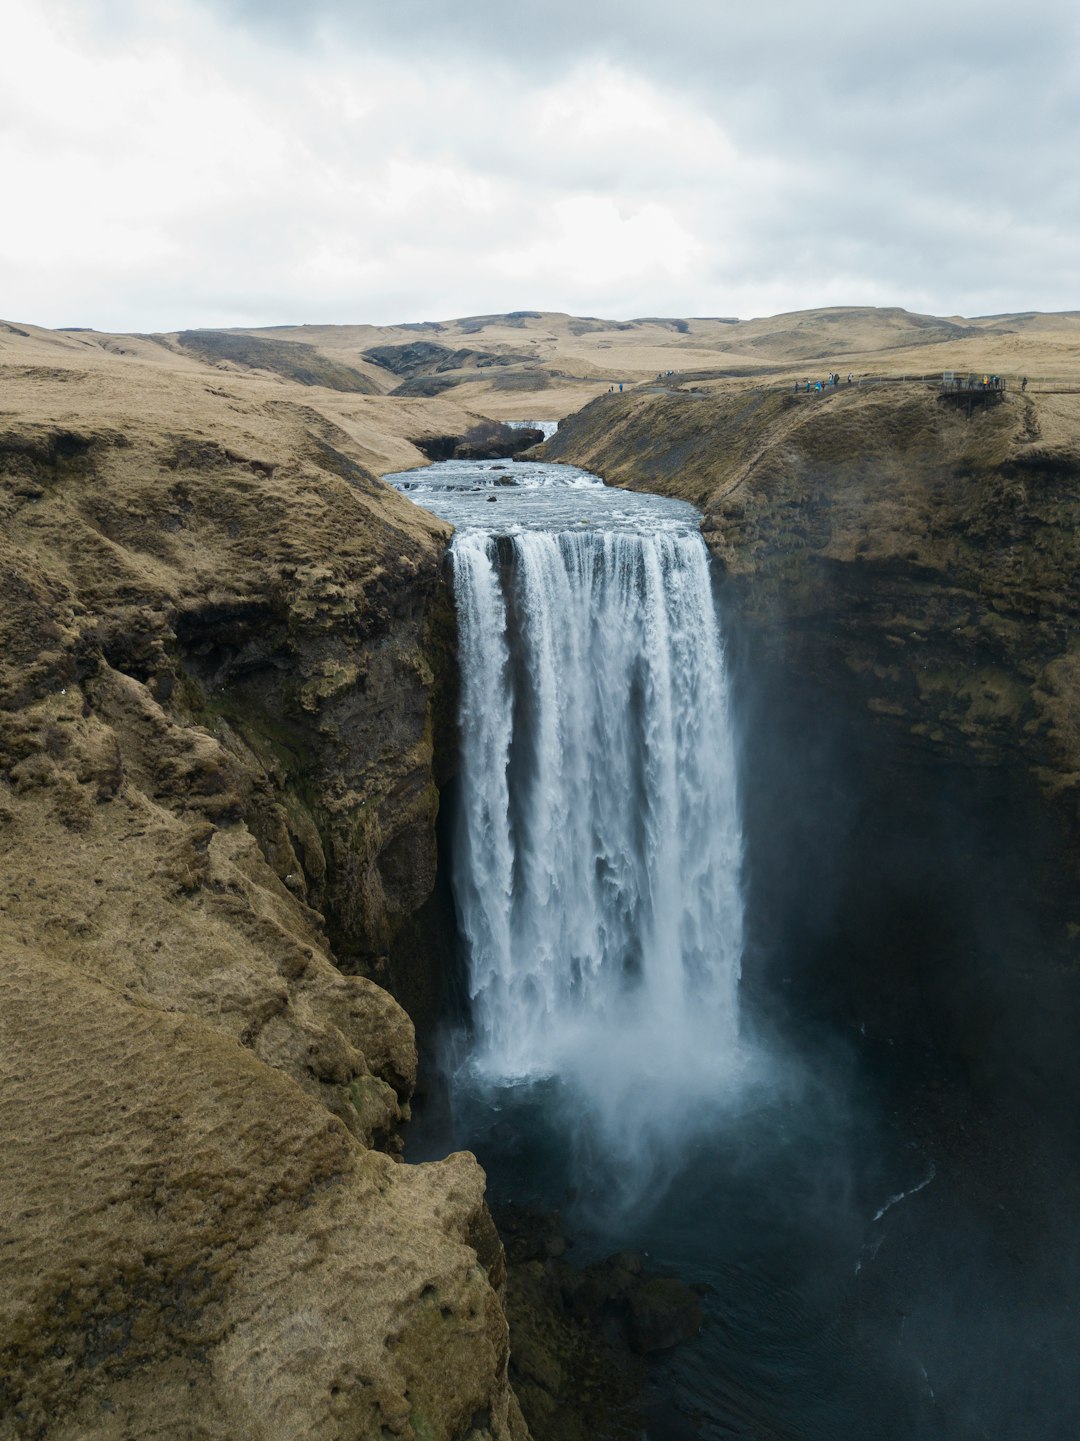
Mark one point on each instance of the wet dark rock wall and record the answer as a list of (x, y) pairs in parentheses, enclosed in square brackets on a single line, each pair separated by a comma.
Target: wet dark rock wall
[(899, 581)]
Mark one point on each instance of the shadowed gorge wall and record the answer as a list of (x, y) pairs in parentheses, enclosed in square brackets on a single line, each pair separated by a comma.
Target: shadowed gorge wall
[(900, 581)]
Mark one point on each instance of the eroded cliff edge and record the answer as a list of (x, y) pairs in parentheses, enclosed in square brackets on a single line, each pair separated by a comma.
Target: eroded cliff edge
[(899, 575), (219, 638)]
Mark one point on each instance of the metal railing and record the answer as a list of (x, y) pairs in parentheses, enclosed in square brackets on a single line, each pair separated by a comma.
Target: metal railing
[(948, 382), (954, 383)]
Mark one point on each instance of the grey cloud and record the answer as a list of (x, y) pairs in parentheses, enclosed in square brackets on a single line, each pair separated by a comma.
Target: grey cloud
[(949, 97), (947, 92), (838, 49)]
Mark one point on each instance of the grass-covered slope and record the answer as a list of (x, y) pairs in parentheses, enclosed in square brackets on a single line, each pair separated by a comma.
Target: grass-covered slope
[(217, 667)]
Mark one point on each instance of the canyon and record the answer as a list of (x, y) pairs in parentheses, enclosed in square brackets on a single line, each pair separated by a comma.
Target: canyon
[(228, 701)]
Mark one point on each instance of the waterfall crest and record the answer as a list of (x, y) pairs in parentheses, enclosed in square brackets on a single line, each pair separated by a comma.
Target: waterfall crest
[(596, 866)]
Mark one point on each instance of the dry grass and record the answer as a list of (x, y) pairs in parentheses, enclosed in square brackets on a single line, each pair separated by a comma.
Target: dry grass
[(595, 354), (202, 1238), (569, 362), (197, 563)]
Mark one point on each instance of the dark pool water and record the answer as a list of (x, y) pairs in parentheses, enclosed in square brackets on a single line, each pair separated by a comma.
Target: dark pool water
[(856, 1289), (772, 1209)]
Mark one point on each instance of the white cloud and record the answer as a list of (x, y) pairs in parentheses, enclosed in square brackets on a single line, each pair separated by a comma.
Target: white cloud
[(594, 246)]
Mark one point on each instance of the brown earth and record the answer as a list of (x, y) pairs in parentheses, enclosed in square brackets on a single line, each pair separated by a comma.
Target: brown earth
[(543, 365), (219, 642)]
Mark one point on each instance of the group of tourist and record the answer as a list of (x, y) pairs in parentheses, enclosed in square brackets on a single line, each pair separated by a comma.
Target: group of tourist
[(819, 385), (975, 382)]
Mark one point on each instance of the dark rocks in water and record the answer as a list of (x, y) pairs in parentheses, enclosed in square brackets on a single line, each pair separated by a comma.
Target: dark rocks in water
[(579, 1336), (652, 1312), (437, 447), (574, 1380), (530, 1235), (662, 1312)]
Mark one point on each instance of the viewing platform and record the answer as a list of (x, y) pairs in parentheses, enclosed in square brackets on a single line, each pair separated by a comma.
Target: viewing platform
[(974, 389), (953, 382)]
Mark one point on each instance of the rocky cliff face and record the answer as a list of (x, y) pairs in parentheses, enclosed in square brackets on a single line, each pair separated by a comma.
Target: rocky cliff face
[(929, 552), (901, 584), (219, 646)]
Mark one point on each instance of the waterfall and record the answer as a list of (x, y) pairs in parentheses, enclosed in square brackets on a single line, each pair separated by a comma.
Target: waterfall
[(596, 865)]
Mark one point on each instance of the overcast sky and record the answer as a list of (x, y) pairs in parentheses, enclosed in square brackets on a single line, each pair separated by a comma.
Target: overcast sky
[(171, 163)]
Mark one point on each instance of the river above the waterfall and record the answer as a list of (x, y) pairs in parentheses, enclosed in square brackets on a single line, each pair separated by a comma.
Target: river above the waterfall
[(503, 496)]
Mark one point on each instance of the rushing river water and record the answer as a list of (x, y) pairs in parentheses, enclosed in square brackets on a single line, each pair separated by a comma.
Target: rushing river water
[(606, 1070)]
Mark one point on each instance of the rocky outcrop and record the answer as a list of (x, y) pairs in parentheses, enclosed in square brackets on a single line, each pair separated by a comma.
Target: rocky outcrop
[(220, 640), (580, 1333), (291, 359), (488, 440), (196, 1249), (284, 610), (428, 369)]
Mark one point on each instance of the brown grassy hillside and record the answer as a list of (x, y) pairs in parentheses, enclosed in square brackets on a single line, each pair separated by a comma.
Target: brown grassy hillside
[(215, 761), (225, 651)]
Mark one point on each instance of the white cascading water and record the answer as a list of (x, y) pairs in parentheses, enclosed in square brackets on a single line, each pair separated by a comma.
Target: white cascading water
[(597, 862), (596, 865)]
